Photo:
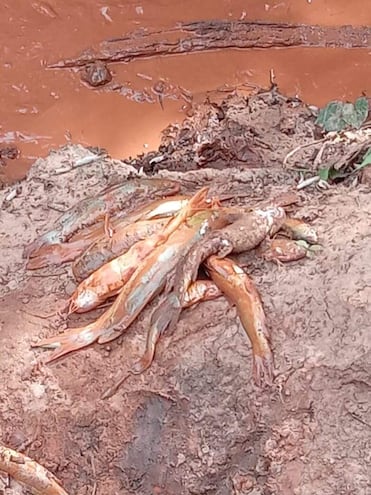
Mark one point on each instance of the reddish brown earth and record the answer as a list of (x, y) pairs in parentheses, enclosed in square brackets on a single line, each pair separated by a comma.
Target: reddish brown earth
[(195, 423), (41, 108)]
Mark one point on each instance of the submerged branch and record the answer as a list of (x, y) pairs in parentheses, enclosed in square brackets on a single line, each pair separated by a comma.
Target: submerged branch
[(213, 35)]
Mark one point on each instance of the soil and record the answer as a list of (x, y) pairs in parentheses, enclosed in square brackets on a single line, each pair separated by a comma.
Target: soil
[(42, 108), (194, 423)]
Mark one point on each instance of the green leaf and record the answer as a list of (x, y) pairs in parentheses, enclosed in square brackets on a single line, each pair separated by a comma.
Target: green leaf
[(330, 173), (337, 115), (330, 117), (324, 174), (349, 114), (362, 108), (366, 161)]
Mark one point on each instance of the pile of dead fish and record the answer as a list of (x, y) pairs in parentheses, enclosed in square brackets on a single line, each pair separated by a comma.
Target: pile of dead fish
[(131, 256), (156, 250)]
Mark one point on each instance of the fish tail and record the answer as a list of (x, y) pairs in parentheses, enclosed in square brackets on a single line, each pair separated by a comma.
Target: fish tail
[(72, 307), (198, 201), (164, 316), (52, 237), (31, 250), (146, 360), (55, 254), (69, 341), (263, 369)]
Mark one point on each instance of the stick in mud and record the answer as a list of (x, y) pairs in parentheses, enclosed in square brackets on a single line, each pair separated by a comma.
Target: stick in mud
[(29, 472)]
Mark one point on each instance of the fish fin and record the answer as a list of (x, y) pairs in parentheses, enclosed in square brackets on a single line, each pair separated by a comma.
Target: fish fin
[(109, 335), (263, 369), (167, 313)]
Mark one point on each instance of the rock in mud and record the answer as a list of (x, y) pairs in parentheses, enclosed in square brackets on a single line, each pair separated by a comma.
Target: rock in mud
[(96, 74)]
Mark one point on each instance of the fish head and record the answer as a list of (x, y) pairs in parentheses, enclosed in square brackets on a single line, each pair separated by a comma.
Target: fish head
[(85, 300), (307, 233), (274, 215)]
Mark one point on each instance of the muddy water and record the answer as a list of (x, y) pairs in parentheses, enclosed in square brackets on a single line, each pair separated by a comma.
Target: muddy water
[(41, 108)]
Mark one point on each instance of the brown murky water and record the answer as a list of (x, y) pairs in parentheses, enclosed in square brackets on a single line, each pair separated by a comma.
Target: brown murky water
[(42, 108)]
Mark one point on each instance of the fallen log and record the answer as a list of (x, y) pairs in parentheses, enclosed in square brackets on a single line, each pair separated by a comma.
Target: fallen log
[(205, 36)]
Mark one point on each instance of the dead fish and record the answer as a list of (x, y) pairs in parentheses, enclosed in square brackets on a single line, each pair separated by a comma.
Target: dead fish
[(89, 210)]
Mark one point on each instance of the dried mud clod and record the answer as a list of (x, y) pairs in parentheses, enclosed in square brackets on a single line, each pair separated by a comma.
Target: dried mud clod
[(195, 423), (237, 132), (96, 74)]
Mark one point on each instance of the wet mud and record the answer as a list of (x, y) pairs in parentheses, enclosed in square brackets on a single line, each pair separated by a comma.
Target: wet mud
[(42, 108), (194, 423)]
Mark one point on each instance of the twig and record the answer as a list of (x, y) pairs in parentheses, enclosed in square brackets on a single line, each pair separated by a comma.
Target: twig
[(43, 317), (227, 197), (93, 466), (302, 146), (11, 195), (62, 170), (94, 491), (34, 437), (112, 390), (308, 182), (27, 471), (87, 160), (357, 418), (58, 208), (45, 275), (109, 392), (144, 76), (318, 159), (272, 77), (157, 392), (156, 159)]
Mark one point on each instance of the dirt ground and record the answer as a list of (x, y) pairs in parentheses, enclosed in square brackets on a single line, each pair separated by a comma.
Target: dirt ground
[(195, 423)]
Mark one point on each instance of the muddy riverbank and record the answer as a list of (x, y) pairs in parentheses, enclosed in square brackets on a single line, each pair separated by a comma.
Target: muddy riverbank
[(195, 423), (43, 108)]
